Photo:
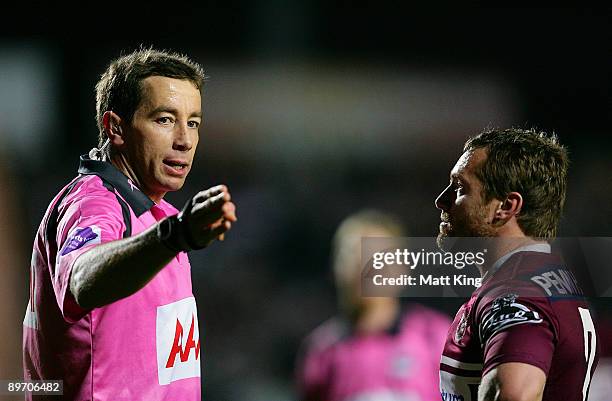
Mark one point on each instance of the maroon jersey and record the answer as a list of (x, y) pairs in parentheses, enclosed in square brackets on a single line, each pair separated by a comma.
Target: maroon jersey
[(531, 310)]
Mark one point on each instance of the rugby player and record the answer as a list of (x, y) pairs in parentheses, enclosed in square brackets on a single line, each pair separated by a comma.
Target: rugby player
[(518, 337)]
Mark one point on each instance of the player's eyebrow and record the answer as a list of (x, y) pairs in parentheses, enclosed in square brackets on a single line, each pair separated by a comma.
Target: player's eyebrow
[(459, 177)]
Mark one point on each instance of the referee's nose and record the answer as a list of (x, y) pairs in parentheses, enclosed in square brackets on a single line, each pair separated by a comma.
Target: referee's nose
[(183, 138)]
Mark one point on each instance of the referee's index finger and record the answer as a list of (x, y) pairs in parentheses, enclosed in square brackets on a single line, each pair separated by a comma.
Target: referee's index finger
[(210, 192), (211, 209)]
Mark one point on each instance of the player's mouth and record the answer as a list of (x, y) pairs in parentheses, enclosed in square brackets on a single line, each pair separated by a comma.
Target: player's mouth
[(176, 167), (445, 225)]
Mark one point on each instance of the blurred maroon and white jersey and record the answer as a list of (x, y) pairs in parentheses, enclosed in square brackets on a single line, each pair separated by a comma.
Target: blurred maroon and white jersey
[(531, 310)]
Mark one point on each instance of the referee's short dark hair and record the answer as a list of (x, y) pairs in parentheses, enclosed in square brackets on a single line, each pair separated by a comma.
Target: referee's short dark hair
[(530, 162), (120, 86)]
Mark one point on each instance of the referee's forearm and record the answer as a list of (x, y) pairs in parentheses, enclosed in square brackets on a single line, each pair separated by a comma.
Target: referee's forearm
[(118, 269)]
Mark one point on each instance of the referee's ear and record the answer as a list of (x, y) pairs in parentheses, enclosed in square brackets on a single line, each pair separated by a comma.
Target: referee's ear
[(112, 128)]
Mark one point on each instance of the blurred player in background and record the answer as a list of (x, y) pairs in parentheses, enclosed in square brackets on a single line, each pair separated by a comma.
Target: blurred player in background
[(374, 350), (111, 309), (527, 333)]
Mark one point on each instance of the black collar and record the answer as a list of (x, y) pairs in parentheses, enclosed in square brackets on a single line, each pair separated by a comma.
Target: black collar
[(110, 175)]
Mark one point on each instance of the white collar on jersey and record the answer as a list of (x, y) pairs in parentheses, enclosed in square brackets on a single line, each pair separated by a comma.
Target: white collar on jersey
[(544, 248)]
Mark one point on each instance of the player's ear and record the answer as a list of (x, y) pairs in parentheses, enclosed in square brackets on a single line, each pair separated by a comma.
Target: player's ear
[(509, 207), (112, 128)]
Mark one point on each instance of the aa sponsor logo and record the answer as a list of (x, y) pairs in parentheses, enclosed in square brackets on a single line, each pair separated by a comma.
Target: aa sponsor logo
[(178, 341), (180, 352)]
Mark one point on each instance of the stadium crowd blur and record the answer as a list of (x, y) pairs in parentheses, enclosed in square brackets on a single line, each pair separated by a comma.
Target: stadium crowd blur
[(312, 112)]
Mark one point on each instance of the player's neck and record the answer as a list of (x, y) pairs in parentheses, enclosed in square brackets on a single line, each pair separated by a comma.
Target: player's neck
[(502, 246)]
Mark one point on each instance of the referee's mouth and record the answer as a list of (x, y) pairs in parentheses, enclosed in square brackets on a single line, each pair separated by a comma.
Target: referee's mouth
[(175, 163), (176, 166)]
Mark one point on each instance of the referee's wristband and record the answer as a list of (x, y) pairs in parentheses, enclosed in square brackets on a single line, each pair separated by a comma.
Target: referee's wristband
[(169, 232)]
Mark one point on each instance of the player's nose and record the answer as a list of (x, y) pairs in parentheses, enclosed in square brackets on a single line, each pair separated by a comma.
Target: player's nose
[(443, 200)]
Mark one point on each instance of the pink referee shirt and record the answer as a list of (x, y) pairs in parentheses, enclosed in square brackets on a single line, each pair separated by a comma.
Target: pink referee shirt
[(398, 365), (143, 347)]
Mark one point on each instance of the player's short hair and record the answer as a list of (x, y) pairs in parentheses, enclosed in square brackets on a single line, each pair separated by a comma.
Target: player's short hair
[(530, 162), (346, 245), (120, 86)]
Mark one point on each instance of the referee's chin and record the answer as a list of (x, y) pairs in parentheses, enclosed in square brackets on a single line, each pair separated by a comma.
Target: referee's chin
[(173, 184), (168, 186)]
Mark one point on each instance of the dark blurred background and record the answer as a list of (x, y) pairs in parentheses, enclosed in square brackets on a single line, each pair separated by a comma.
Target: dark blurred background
[(313, 111)]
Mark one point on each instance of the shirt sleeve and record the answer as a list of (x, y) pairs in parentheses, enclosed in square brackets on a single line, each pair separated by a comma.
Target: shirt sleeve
[(517, 328), (89, 216)]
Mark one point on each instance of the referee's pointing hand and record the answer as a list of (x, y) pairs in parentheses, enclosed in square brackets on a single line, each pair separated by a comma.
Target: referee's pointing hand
[(208, 215)]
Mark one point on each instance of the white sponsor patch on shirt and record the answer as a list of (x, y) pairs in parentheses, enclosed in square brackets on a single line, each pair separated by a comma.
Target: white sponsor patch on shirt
[(458, 388), (177, 341)]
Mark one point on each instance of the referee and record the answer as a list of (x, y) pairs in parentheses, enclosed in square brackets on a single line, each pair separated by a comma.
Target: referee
[(111, 310)]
